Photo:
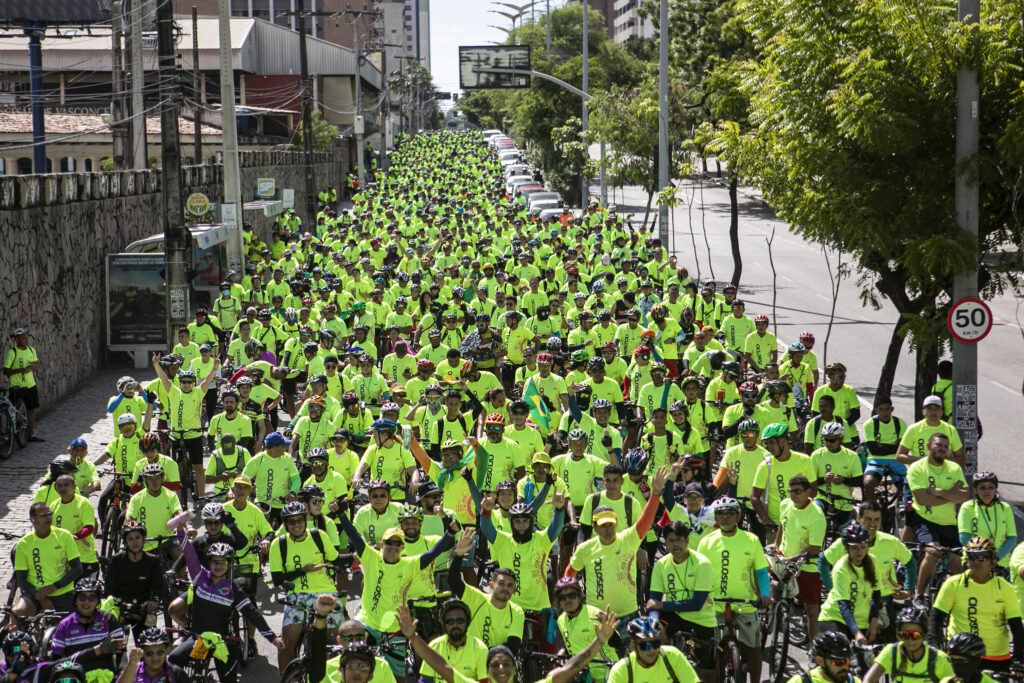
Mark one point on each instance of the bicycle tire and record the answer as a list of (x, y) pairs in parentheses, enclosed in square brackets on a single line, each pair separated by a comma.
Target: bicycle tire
[(241, 631), (778, 642), (798, 636), (111, 542), (6, 433), (732, 670), (21, 423), (296, 671), (46, 642)]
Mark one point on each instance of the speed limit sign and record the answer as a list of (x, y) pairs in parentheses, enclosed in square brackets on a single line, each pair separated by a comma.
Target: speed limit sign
[(969, 320)]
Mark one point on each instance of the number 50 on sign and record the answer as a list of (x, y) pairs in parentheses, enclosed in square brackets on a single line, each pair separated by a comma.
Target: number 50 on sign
[(969, 320)]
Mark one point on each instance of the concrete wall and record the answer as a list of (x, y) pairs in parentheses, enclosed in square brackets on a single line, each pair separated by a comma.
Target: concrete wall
[(56, 230)]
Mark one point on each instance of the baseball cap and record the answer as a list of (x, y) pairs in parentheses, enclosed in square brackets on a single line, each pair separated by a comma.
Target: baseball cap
[(541, 457), (393, 532), (605, 517), (693, 488), (932, 401), (242, 479), (276, 439), (77, 442)]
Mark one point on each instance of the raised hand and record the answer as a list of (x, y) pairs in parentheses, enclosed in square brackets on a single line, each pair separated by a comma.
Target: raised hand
[(466, 540), (558, 500), (605, 627)]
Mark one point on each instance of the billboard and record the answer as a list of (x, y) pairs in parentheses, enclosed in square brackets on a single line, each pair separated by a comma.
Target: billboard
[(472, 58), (135, 301)]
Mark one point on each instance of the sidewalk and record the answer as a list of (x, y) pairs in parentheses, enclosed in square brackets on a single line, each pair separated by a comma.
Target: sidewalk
[(84, 415)]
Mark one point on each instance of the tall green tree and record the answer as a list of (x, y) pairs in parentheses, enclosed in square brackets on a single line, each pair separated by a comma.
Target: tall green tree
[(853, 112)]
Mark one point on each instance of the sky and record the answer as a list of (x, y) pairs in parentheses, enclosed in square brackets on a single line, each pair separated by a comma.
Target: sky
[(463, 22)]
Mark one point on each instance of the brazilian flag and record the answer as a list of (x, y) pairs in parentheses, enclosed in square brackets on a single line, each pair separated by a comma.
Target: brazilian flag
[(538, 411)]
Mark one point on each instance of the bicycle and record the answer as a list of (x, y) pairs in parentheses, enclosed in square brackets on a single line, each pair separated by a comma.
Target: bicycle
[(889, 495), (200, 668), (248, 575), (833, 514), (179, 454), (732, 667), (941, 569), (864, 656), (13, 424), (42, 627), (775, 626), (297, 670), (110, 526)]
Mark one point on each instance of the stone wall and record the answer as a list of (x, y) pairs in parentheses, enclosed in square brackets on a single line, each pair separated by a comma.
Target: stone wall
[(56, 230)]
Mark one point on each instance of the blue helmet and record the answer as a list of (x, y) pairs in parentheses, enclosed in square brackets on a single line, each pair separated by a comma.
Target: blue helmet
[(645, 628), (636, 461)]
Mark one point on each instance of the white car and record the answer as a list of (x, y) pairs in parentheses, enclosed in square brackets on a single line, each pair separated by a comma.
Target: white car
[(488, 134), (513, 156), (537, 208), (542, 197), (515, 180), (515, 169)]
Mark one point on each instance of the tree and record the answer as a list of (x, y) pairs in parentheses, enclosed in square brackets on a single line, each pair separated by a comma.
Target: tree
[(323, 133), (574, 161), (853, 109)]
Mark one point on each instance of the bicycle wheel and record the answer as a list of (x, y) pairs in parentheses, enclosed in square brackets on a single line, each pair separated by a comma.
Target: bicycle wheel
[(778, 642), (6, 433), (295, 672), (797, 625), (241, 630), (111, 542), (731, 670), (21, 423)]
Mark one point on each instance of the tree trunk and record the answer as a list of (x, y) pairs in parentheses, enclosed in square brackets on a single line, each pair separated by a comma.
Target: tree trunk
[(924, 375), (892, 359), (734, 231), (647, 212)]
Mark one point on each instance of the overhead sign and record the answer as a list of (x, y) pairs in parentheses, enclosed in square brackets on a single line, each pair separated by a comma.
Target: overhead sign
[(135, 301), (265, 188), (288, 198), (969, 320), (474, 58)]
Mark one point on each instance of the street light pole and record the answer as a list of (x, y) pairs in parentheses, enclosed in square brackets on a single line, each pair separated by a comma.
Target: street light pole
[(965, 285), (663, 160), (584, 195)]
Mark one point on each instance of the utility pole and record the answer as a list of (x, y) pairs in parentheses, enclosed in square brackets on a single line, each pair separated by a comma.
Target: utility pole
[(35, 61), (307, 120), (229, 137), (965, 356), (585, 194), (358, 76), (547, 36), (663, 160), (138, 121), (197, 112), (122, 146)]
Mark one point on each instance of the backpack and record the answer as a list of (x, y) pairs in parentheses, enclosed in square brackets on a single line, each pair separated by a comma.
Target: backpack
[(899, 426), (440, 423), (315, 533), (595, 500), (671, 671), (897, 669)]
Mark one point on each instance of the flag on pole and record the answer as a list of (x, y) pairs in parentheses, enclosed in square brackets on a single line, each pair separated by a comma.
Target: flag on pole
[(538, 411)]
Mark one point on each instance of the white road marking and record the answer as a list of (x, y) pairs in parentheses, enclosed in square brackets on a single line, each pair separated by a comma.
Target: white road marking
[(1005, 388)]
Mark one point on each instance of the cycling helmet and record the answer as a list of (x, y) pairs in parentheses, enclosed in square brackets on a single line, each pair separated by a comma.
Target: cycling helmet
[(149, 442), (62, 466), (832, 429), (221, 550), (806, 338), (599, 287), (317, 453), (596, 363), (126, 419), (154, 636), (131, 525), (349, 398), (776, 386), (731, 368), (747, 387), (495, 419), (570, 582), (88, 584), (693, 461), (390, 407), (66, 669), (832, 645), (835, 367), (980, 545), (980, 477), (212, 511), (433, 388), (658, 368), (14, 639), (520, 510), (726, 504), (316, 401), (384, 425), (506, 485), (545, 358), (154, 469), (855, 534), (677, 406), (716, 359), (645, 628), (636, 461), (309, 492), (425, 364), (965, 645), (554, 344), (797, 347), (359, 651), (247, 381), (187, 374), (411, 512), (378, 484), (761, 318), (748, 426), (580, 356), (577, 434), (913, 615), (604, 313), (293, 509), (775, 430), (601, 403), (451, 444)]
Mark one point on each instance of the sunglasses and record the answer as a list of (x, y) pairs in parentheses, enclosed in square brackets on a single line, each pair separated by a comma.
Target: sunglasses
[(317, 501), (647, 645), (90, 597), (568, 596), (839, 662), (455, 621), (393, 543), (909, 635)]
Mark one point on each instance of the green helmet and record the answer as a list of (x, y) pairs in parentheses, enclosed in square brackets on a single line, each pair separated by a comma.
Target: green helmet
[(359, 306), (776, 429), (411, 512), (580, 356)]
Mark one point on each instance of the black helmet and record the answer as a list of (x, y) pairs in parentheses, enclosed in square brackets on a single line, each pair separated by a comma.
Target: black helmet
[(453, 603), (293, 509), (731, 368), (716, 359), (62, 466), (154, 636), (67, 668), (965, 645), (854, 534), (520, 510), (89, 584), (14, 639), (359, 651), (832, 644), (310, 491), (913, 615)]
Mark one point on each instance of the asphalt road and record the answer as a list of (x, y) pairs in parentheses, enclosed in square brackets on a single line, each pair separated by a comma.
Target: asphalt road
[(860, 335)]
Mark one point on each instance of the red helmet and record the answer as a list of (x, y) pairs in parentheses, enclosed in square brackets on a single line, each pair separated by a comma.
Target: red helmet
[(425, 364), (495, 419), (806, 338), (761, 318), (545, 358), (747, 387)]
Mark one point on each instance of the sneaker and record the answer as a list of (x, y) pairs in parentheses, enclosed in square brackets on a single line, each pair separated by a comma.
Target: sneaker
[(36, 439), (252, 647)]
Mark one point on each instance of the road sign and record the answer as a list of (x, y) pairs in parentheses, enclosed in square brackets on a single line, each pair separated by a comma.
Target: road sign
[(265, 188), (472, 58), (969, 320)]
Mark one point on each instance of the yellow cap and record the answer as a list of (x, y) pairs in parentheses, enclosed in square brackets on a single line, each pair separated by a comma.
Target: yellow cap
[(605, 517), (393, 532), (242, 479), (541, 457)]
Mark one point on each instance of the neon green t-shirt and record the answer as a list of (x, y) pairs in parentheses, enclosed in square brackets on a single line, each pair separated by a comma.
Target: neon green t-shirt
[(298, 554), (736, 578), (801, 527), (980, 608), (611, 570), (680, 580), (46, 560)]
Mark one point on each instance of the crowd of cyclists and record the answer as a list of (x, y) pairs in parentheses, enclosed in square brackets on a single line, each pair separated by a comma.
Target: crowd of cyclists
[(534, 450)]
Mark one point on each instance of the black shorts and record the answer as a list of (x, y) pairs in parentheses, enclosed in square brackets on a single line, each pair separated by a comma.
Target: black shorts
[(508, 372), (704, 638), (288, 385), (194, 447), (29, 394), (931, 533)]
